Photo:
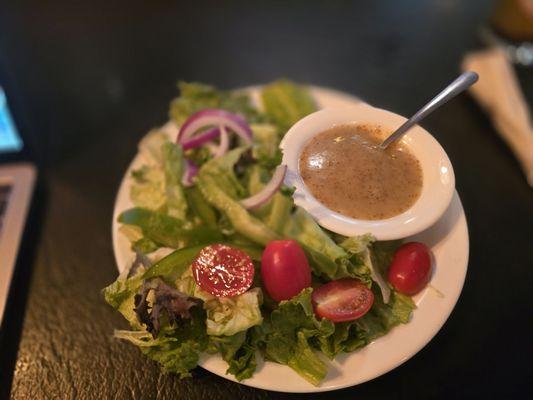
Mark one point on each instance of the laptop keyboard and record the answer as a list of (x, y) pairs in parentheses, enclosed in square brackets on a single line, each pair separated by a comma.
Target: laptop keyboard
[(4, 197)]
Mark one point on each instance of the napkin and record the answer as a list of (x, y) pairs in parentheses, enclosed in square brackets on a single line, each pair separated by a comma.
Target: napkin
[(499, 94)]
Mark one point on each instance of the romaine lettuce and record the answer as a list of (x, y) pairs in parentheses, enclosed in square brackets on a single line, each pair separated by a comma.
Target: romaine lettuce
[(195, 97), (350, 336), (239, 351), (166, 230), (285, 103), (148, 187), (293, 327), (360, 246), (173, 167), (219, 186), (265, 149)]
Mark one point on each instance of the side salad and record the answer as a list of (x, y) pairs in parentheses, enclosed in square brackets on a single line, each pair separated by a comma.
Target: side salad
[(226, 263)]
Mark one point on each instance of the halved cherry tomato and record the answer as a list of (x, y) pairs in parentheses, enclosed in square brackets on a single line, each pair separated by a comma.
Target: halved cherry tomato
[(342, 300), (410, 269), (284, 269), (223, 271)]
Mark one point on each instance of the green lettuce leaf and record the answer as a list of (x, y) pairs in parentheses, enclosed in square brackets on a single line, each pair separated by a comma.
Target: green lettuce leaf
[(221, 169), (346, 338), (120, 294), (361, 248), (197, 96), (174, 265), (144, 245), (226, 316), (150, 147), (123, 288), (304, 228), (180, 353), (293, 328), (266, 145), (383, 317), (382, 253), (286, 102), (148, 187), (257, 176), (173, 167), (351, 336), (166, 230), (220, 188), (157, 184), (229, 315), (326, 257), (200, 207), (239, 351), (142, 338)]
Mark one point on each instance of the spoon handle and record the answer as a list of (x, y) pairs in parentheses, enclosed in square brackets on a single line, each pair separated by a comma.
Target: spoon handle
[(463, 82)]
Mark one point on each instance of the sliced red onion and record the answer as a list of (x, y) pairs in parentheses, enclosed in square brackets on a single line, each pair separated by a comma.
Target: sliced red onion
[(191, 169), (200, 139), (212, 147), (268, 191), (214, 117), (224, 142)]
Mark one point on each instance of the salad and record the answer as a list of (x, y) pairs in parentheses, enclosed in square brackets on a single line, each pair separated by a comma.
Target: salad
[(226, 263)]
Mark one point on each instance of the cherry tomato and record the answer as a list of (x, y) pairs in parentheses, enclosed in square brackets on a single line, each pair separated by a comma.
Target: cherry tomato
[(284, 269), (342, 300), (410, 269), (223, 271)]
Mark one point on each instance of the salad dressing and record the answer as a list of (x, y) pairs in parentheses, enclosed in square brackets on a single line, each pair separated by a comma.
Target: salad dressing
[(345, 170)]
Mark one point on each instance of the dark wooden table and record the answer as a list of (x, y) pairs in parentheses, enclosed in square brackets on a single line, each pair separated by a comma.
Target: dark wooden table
[(90, 79)]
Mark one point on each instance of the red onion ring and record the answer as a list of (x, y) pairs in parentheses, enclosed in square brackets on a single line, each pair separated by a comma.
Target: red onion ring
[(224, 142), (191, 169), (268, 191), (200, 139), (212, 117)]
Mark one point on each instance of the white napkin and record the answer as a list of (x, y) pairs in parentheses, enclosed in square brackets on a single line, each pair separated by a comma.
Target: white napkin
[(499, 94)]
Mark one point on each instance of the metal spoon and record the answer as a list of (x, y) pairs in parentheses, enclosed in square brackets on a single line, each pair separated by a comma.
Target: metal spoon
[(462, 83)]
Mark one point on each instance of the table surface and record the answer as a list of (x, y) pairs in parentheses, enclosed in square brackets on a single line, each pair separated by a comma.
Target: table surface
[(89, 80)]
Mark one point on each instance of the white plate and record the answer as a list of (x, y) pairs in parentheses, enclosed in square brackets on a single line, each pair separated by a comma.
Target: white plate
[(448, 239)]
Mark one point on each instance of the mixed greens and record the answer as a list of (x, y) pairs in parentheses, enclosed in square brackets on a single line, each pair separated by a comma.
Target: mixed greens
[(172, 319)]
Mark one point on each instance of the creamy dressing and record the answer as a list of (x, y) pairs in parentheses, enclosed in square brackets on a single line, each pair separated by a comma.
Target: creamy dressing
[(345, 170)]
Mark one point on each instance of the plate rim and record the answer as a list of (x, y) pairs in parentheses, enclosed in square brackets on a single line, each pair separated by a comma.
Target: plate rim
[(319, 92)]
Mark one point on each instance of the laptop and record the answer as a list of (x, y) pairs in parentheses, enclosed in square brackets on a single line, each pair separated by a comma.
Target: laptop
[(17, 180)]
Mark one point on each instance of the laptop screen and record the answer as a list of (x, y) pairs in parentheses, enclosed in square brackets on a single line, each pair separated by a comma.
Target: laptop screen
[(10, 141)]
